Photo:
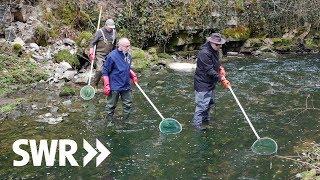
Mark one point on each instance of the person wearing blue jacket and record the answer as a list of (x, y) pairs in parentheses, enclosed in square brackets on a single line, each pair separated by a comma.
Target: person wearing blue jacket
[(117, 74)]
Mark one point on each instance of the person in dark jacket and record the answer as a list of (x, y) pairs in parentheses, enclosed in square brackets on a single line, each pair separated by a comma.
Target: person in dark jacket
[(105, 42), (117, 74), (208, 72)]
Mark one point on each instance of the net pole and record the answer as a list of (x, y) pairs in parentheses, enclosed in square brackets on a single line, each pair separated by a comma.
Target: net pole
[(244, 113), (94, 48), (154, 107)]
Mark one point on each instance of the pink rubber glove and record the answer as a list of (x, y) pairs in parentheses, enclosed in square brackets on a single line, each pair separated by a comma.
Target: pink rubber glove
[(106, 85), (133, 77)]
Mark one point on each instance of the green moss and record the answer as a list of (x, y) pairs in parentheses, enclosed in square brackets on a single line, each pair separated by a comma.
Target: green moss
[(138, 53), (8, 107), (140, 59), (282, 41), (283, 44), (254, 42), (83, 40), (17, 48), (164, 56), (67, 91), (311, 44), (54, 32), (4, 90), (153, 52), (18, 71), (155, 23), (70, 13), (239, 6), (237, 33), (65, 55), (41, 36), (66, 12)]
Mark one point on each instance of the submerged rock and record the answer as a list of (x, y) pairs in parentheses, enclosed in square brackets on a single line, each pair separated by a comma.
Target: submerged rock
[(183, 67), (49, 118)]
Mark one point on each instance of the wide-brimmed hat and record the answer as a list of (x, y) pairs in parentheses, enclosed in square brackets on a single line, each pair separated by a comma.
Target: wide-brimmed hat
[(110, 23), (216, 38)]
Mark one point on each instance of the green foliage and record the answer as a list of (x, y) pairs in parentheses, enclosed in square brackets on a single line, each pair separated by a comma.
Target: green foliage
[(65, 55), (153, 52), (8, 107), (140, 59), (154, 22), (83, 40), (283, 44), (71, 13), (41, 36), (67, 91), (17, 48), (282, 41), (237, 33), (164, 56), (18, 71), (311, 43), (256, 19), (239, 6), (4, 90)]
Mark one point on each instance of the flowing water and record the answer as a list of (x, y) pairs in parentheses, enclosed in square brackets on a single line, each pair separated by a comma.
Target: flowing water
[(280, 96)]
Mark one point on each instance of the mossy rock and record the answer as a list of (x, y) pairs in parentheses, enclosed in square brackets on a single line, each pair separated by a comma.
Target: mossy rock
[(140, 59), (283, 44), (17, 49), (282, 41), (83, 40), (310, 43), (71, 13), (164, 56), (254, 42), (8, 107), (41, 36), (65, 55), (239, 33), (67, 91), (18, 71)]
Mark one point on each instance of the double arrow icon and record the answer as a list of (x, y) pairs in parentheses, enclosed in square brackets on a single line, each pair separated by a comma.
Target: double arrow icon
[(92, 152)]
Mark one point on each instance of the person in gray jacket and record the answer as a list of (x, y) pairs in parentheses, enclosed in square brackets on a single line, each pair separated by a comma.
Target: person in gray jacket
[(105, 41)]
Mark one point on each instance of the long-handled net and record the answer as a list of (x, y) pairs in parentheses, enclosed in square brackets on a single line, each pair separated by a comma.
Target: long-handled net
[(87, 92), (167, 125), (262, 146)]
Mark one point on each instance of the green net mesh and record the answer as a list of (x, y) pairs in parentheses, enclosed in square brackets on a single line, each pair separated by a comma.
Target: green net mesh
[(264, 146), (170, 126), (87, 92)]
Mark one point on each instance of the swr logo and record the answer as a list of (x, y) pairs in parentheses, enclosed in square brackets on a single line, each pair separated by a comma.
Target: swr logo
[(50, 153)]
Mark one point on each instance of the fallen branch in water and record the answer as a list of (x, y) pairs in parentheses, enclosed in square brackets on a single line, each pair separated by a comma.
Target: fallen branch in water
[(304, 109), (308, 156), (302, 162)]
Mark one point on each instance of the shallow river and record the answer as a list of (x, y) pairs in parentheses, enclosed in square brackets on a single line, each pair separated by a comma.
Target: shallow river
[(277, 94)]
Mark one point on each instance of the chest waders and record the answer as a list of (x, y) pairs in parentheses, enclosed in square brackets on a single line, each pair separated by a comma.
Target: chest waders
[(103, 49)]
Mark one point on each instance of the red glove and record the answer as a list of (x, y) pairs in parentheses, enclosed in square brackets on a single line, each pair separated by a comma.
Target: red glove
[(222, 71), (106, 87), (91, 54), (225, 84), (133, 77)]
